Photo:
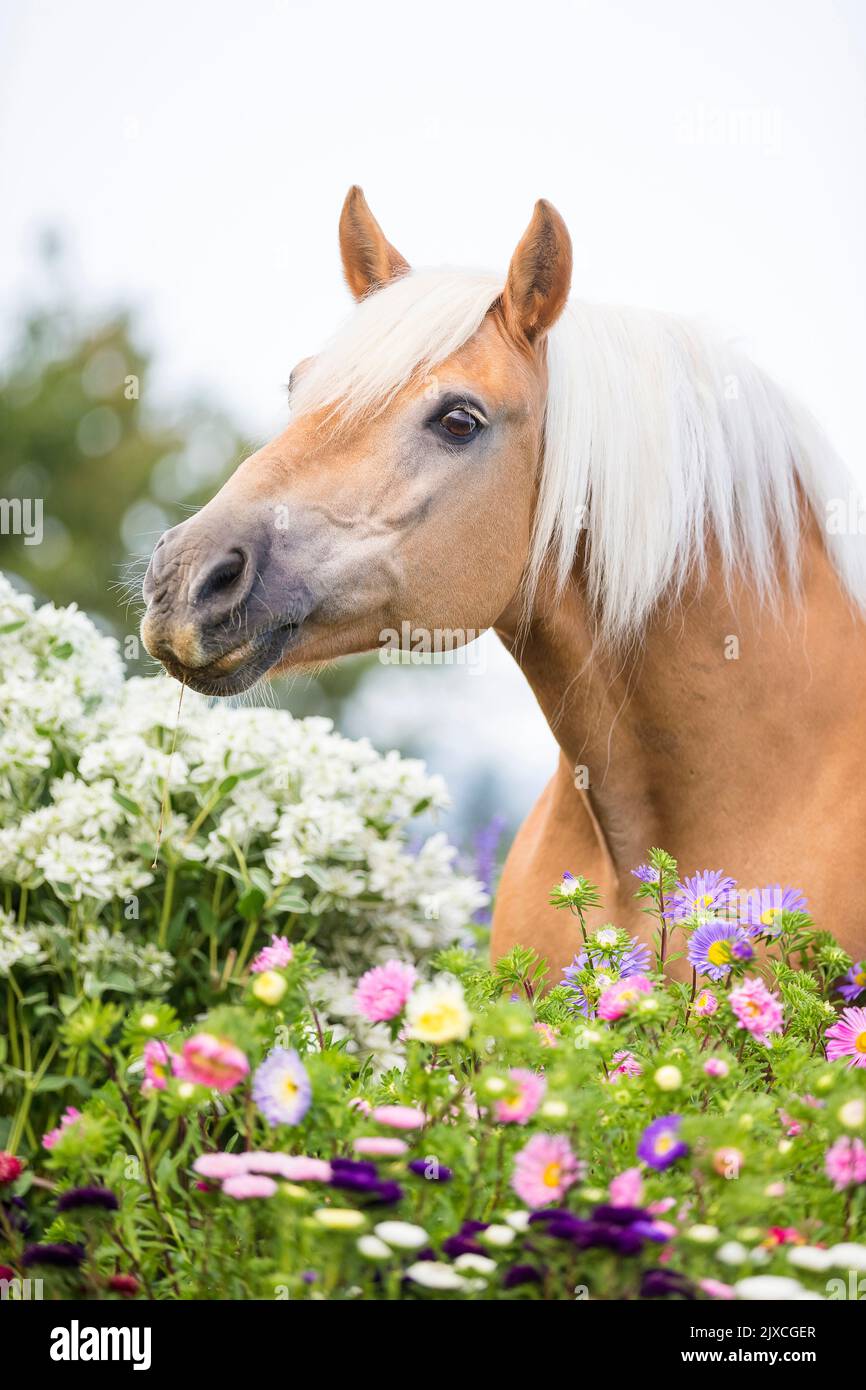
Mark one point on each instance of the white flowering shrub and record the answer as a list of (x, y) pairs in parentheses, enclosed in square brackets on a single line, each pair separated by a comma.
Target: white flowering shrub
[(264, 824)]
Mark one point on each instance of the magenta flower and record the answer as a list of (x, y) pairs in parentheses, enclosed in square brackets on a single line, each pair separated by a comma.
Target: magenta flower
[(274, 957), (845, 1163), (382, 992), (528, 1095), (213, 1062), (757, 1010), (545, 1169), (846, 1038), (716, 1067), (619, 998), (69, 1116)]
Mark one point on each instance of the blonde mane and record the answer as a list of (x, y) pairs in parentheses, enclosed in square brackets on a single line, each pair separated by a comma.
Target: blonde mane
[(658, 438)]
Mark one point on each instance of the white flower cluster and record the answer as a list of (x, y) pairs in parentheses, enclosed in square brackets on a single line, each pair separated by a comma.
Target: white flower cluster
[(314, 821)]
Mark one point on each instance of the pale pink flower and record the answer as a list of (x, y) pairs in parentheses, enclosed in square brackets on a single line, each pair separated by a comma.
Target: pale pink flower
[(380, 1146), (626, 1189), (714, 1288), (247, 1185), (69, 1116), (213, 1062), (398, 1116), (661, 1206), (706, 1003), (716, 1067), (545, 1169), (757, 1010), (274, 957), (529, 1093), (792, 1127), (220, 1165), (547, 1036), (362, 1106), (159, 1064), (845, 1163), (382, 992), (618, 998)]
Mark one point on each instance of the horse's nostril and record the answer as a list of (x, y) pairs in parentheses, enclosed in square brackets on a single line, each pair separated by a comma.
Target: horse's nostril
[(222, 577)]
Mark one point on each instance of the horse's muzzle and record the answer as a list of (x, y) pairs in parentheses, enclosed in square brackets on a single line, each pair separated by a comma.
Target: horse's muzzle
[(219, 618)]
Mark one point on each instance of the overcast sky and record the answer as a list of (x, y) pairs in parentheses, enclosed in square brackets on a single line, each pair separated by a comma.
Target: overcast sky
[(707, 157)]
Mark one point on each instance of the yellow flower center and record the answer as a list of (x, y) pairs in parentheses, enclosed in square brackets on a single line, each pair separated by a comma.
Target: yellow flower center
[(551, 1175), (704, 900), (860, 1042), (719, 953), (290, 1090), (751, 1008), (860, 978), (769, 915), (664, 1143)]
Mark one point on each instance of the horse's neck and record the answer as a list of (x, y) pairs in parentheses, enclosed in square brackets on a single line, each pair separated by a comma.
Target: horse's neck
[(715, 712)]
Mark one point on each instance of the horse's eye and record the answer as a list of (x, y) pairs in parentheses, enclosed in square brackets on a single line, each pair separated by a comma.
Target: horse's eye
[(459, 423)]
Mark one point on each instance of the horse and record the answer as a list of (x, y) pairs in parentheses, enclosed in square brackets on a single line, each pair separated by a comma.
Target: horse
[(662, 538)]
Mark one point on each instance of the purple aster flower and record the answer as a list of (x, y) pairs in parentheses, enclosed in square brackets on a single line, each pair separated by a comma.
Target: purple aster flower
[(660, 1144), (665, 1283), (486, 845), (521, 1274), (700, 896), (645, 873), (713, 946), (63, 1254), (87, 1197), (281, 1087), (763, 909), (433, 1172), (852, 985)]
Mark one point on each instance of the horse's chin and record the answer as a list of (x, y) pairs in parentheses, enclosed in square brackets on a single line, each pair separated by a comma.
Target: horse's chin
[(239, 668)]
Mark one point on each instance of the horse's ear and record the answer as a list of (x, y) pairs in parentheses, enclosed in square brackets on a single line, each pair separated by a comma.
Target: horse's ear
[(539, 276), (369, 259)]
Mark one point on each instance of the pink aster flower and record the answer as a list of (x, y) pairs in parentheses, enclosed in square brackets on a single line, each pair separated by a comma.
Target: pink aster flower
[(274, 957), (706, 1003), (626, 1189), (626, 1065), (714, 1288), (247, 1185), (398, 1116), (792, 1127), (220, 1165), (547, 1036), (757, 1010), (212, 1062), (845, 1163), (622, 996), (69, 1116), (382, 992), (159, 1064), (716, 1067), (847, 1038), (380, 1146), (530, 1089), (545, 1169)]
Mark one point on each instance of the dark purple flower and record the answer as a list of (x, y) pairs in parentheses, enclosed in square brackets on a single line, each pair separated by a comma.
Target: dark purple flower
[(64, 1255), (521, 1274), (87, 1197), (619, 1216), (462, 1243), (665, 1283), (385, 1194), (354, 1165), (660, 1144), (433, 1172)]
